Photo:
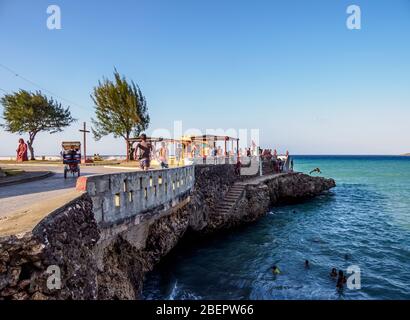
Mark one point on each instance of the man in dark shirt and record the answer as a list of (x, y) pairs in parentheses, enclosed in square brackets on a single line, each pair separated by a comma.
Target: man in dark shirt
[(145, 155)]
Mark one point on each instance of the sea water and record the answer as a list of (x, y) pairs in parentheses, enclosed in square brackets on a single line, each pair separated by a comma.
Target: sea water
[(364, 221)]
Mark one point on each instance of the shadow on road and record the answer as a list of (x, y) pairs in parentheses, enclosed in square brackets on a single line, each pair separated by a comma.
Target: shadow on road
[(53, 183)]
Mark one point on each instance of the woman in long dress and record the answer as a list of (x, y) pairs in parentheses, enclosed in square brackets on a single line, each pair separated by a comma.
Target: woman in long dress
[(22, 151)]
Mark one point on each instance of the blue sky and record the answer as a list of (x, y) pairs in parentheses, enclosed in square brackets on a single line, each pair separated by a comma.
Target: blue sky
[(291, 69)]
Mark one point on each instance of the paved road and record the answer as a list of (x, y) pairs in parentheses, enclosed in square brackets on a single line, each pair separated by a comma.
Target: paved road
[(15, 198)]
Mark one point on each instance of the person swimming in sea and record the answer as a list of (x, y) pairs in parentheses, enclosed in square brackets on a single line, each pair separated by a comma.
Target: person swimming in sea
[(307, 265), (333, 273), (275, 270), (341, 280), (315, 170)]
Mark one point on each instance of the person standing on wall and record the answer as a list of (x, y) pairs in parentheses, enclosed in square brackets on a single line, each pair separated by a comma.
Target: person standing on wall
[(145, 153), (163, 156), (275, 161)]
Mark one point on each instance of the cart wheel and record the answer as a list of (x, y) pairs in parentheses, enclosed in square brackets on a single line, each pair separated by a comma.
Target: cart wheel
[(78, 172), (65, 173)]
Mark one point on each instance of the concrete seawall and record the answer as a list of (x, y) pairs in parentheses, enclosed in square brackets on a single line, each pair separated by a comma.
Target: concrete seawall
[(118, 197), (102, 251)]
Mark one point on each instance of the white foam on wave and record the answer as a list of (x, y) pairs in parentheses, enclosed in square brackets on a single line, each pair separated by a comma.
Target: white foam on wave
[(182, 294)]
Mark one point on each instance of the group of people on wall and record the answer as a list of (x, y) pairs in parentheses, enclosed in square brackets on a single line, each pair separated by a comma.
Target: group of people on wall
[(145, 151), (279, 164)]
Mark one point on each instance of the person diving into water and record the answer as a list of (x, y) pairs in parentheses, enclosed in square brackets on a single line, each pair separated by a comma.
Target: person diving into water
[(315, 170)]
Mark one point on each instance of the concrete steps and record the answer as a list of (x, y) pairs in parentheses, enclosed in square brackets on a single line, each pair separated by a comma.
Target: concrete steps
[(230, 199)]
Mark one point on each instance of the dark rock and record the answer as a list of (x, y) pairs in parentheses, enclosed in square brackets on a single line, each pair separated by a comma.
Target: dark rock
[(13, 276), (21, 295), (55, 241), (24, 284), (39, 296)]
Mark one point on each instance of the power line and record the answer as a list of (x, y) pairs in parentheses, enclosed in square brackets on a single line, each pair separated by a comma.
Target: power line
[(39, 86)]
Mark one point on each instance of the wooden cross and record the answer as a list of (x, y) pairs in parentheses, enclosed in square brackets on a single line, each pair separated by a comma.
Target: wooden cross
[(85, 131)]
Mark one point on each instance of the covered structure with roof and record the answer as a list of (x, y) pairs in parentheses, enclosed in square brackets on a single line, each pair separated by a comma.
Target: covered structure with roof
[(194, 148), (176, 146), (205, 146)]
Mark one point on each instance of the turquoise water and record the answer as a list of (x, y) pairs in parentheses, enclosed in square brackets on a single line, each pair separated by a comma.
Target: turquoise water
[(364, 221)]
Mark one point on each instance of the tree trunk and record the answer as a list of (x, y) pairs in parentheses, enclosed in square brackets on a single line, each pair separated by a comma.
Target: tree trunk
[(30, 145), (128, 147), (30, 148)]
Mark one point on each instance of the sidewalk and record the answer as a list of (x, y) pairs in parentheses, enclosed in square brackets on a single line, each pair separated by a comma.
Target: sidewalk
[(26, 218), (25, 177)]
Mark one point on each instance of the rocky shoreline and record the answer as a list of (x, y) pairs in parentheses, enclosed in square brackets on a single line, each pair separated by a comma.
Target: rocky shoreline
[(97, 263)]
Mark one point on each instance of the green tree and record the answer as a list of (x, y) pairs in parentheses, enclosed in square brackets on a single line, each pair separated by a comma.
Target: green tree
[(120, 109), (27, 112)]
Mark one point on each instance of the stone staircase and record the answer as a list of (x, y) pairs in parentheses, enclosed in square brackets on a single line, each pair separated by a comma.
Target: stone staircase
[(231, 198)]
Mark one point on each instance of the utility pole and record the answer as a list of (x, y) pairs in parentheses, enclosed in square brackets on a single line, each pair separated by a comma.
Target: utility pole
[(85, 131)]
